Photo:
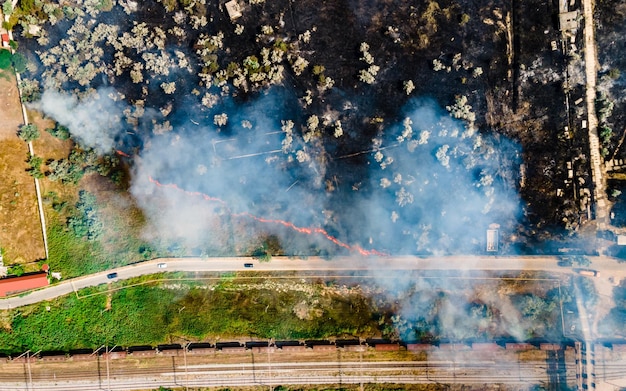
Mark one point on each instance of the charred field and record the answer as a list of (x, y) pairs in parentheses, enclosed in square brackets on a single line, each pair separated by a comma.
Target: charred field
[(377, 127)]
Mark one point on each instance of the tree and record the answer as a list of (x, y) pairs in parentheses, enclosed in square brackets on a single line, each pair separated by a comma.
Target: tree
[(34, 169), (59, 131), (19, 62), (65, 171), (5, 59), (7, 7), (86, 223), (28, 132), (581, 260)]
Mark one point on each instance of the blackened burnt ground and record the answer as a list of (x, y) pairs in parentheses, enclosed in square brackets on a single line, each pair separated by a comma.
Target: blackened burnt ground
[(496, 54)]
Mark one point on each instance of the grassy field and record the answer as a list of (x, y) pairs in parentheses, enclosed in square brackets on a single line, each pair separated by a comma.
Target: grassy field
[(167, 311), (20, 229), (234, 307)]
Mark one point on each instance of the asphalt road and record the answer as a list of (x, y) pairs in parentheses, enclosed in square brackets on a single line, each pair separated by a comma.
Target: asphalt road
[(606, 267)]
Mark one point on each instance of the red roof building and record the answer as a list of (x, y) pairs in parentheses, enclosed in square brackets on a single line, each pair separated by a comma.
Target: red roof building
[(5, 40), (13, 285)]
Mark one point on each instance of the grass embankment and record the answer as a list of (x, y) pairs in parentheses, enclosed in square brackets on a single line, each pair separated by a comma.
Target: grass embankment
[(153, 314)]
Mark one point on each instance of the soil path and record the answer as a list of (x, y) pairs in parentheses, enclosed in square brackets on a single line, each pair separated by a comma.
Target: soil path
[(21, 233), (598, 172)]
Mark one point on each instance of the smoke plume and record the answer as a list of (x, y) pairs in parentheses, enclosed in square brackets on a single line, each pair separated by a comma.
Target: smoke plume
[(94, 121)]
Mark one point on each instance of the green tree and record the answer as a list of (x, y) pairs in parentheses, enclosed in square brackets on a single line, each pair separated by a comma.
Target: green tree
[(65, 171), (59, 131), (34, 169), (581, 260), (28, 132), (7, 7), (19, 62), (5, 59), (86, 223)]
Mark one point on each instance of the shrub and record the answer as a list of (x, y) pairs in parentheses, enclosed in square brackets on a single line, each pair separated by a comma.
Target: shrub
[(86, 223), (59, 131), (31, 91), (28, 132), (34, 169), (65, 171)]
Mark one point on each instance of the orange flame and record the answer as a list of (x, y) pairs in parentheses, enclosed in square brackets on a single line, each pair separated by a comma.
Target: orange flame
[(121, 153), (305, 230)]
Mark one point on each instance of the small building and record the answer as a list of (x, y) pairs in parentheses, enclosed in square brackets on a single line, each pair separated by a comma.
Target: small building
[(492, 240), (5, 41), (568, 21), (621, 240), (234, 10), (12, 285)]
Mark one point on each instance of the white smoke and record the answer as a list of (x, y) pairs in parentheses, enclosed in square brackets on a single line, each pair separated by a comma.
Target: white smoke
[(94, 121)]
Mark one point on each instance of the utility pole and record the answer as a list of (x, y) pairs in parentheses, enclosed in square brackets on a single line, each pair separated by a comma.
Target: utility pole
[(186, 370), (269, 360), (29, 385), (106, 355)]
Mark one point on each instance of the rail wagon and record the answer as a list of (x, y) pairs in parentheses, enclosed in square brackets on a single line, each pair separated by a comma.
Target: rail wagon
[(619, 347), (354, 348), (83, 357), (23, 359), (144, 353), (293, 348), (519, 346), (453, 346), (201, 351), (233, 349), (263, 349), (115, 355), (418, 347), (54, 357), (387, 347), (486, 347), (550, 346), (170, 350), (324, 348)]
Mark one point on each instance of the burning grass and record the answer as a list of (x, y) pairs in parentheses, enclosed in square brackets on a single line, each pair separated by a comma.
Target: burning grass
[(310, 98)]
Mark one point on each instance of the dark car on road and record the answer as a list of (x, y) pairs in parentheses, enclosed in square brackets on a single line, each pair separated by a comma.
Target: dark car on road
[(248, 265), (564, 262), (111, 276)]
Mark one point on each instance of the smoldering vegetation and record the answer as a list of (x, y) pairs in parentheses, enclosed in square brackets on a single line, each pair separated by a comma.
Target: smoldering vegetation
[(374, 137)]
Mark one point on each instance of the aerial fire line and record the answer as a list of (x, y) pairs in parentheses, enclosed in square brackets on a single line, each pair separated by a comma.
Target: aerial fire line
[(305, 230)]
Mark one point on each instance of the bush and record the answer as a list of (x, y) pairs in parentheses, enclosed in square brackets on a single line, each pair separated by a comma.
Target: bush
[(59, 131), (28, 132), (65, 171), (34, 169), (31, 91), (16, 270), (5, 59), (86, 223)]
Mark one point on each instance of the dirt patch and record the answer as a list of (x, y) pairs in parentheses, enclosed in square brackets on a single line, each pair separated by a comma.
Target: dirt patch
[(20, 228)]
